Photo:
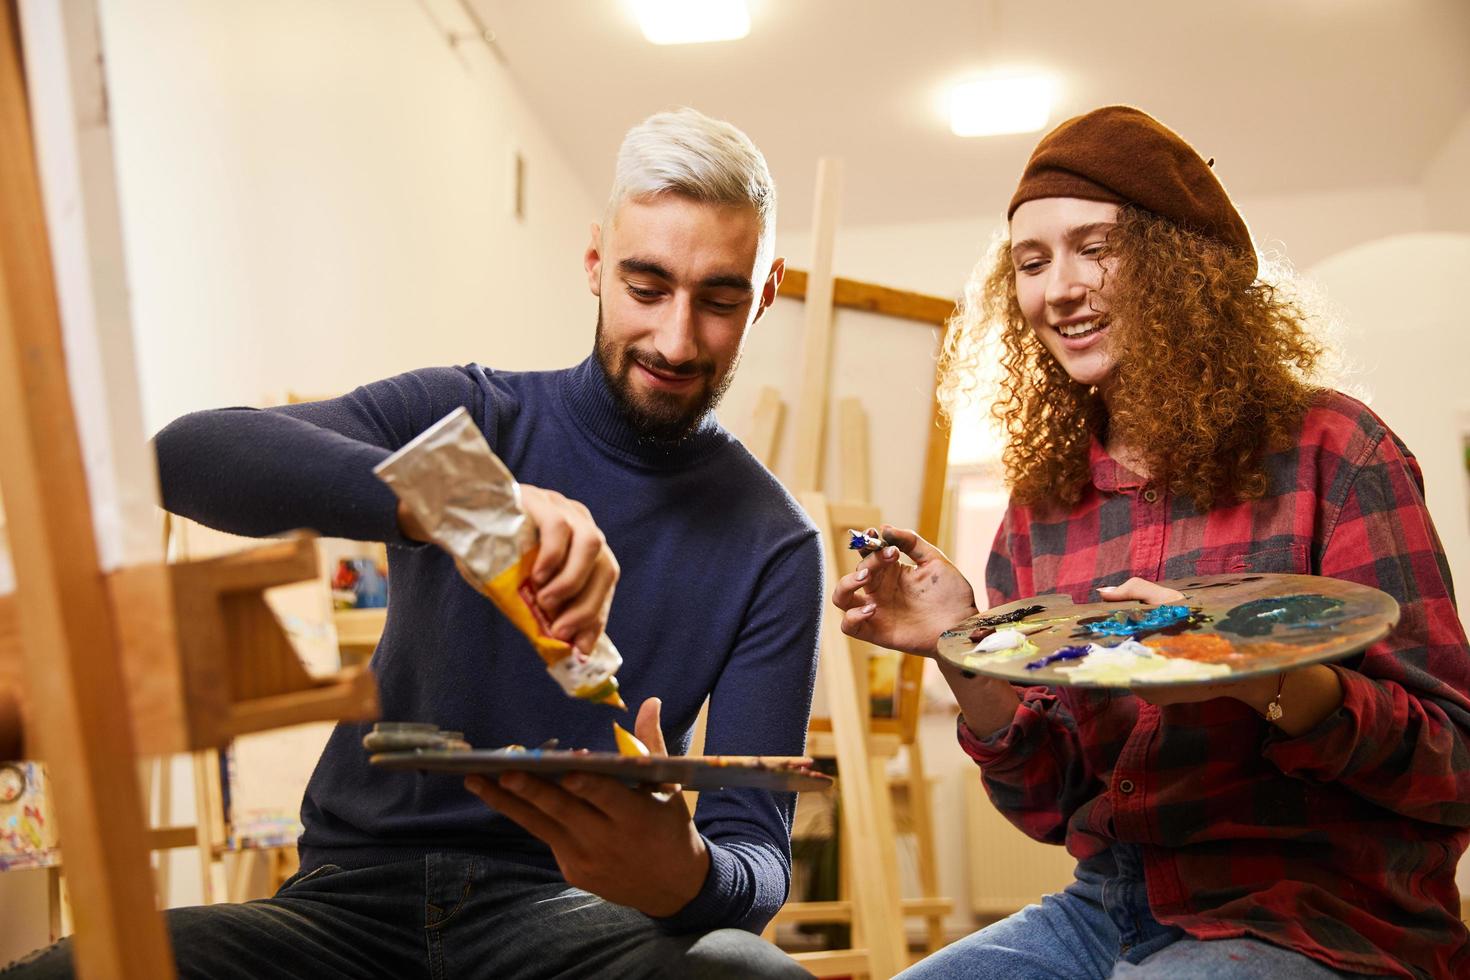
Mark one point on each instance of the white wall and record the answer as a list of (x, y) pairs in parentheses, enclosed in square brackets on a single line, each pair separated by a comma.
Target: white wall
[(317, 194), (1446, 202)]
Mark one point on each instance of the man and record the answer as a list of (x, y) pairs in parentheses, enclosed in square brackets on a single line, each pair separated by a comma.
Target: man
[(409, 874)]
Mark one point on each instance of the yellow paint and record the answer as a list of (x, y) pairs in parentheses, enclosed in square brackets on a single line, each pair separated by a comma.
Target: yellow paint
[(628, 743), (508, 591)]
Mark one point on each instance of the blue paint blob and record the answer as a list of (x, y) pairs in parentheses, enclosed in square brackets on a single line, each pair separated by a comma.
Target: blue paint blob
[(1136, 624), (1065, 653)]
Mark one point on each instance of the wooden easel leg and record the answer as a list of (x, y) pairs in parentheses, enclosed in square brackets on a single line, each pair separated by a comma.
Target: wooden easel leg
[(207, 829), (74, 673), (921, 813), (874, 867), (164, 872)]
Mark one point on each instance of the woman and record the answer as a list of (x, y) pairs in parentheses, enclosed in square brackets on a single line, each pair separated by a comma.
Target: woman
[(1160, 425)]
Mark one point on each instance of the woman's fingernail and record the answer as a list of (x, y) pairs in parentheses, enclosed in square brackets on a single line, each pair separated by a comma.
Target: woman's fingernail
[(1107, 588), (868, 609), (862, 574), (890, 552)]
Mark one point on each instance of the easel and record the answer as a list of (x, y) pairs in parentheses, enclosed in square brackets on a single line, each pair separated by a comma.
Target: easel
[(125, 658), (861, 744)]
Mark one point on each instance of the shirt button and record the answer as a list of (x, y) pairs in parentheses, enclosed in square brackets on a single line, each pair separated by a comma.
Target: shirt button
[(1150, 495), (1125, 785)]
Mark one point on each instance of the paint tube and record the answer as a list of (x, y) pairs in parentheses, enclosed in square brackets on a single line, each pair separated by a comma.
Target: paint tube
[(468, 502)]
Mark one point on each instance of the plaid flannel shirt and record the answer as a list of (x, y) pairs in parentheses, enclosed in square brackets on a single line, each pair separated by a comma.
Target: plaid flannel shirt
[(1341, 843)]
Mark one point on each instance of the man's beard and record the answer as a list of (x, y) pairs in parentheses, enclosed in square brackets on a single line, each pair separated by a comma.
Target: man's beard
[(660, 417)]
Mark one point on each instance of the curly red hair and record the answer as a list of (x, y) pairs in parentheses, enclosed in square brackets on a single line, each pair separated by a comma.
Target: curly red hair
[(1211, 369)]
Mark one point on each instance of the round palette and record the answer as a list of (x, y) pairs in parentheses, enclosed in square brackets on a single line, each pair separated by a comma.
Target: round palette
[(691, 772), (1225, 627)]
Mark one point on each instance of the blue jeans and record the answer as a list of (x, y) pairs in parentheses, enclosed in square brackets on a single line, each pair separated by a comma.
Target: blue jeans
[(1100, 927), (440, 916)]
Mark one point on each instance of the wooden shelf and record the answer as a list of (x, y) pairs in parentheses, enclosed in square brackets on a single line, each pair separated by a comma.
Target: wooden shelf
[(204, 658), (358, 632)]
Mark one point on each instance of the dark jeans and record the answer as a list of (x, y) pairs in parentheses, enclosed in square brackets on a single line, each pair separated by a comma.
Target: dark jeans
[(441, 916)]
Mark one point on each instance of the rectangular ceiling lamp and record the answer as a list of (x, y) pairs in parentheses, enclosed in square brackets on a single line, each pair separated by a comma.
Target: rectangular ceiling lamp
[(692, 21), (1001, 104)]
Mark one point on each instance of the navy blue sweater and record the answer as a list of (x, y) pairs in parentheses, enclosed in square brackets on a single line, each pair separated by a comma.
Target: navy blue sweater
[(720, 596)]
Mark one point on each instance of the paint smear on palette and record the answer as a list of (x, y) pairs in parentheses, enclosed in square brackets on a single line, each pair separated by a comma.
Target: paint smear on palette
[(982, 627), (1268, 650), (1205, 648), (1000, 647), (997, 640), (1059, 656), (1131, 662), (1159, 619), (986, 625), (1260, 616)]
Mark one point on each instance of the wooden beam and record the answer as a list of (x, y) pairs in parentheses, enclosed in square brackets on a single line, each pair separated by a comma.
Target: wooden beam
[(72, 656), (816, 346), (765, 435), (841, 910), (821, 745), (853, 294), (866, 818), (936, 466), (852, 429), (931, 512), (835, 962)]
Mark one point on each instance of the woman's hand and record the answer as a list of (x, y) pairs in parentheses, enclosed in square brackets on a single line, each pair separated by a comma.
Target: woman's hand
[(1140, 590), (903, 607)]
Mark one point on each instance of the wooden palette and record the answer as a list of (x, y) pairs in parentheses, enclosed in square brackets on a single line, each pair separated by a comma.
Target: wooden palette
[(691, 772), (1250, 623)]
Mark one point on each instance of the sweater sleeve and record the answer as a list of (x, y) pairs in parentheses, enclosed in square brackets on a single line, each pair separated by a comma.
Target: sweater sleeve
[(259, 472), (1401, 737), (759, 706)]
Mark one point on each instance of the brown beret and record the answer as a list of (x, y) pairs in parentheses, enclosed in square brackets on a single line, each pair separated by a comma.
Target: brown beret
[(1124, 155)]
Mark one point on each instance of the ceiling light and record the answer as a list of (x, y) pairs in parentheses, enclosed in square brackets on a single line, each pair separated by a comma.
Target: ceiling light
[(692, 21), (1001, 104)]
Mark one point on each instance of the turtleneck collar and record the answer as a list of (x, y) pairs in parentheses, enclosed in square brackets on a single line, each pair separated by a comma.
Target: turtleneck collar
[(596, 410)]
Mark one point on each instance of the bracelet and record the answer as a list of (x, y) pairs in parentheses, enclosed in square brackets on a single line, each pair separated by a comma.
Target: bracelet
[(1273, 707)]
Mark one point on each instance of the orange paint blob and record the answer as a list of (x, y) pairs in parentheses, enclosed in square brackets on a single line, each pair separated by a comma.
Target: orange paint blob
[(1205, 648)]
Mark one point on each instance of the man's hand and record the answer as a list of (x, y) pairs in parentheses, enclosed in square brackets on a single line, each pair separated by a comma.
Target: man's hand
[(625, 845), (904, 607), (575, 571)]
